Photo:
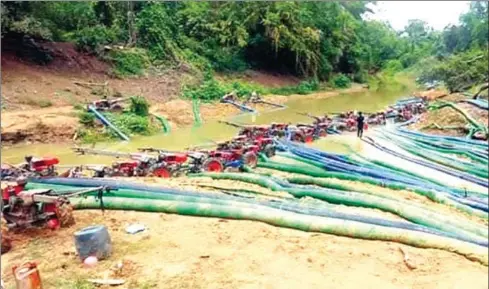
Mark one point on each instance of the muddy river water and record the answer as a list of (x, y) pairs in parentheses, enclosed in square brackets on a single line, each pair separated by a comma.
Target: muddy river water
[(181, 138)]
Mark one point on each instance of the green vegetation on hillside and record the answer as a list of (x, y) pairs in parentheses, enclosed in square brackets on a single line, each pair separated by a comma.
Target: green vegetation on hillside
[(458, 55), (319, 41)]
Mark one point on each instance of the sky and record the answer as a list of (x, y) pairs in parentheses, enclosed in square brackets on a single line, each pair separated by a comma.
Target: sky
[(437, 14)]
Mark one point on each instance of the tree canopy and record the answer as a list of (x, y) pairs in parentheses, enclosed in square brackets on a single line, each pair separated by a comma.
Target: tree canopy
[(308, 39)]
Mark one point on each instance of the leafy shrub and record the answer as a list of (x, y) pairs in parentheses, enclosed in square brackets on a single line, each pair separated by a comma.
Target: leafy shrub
[(92, 136), (139, 106), (86, 118), (209, 89), (308, 86), (130, 123), (360, 76), (131, 61), (245, 89), (341, 81), (393, 66), (31, 26), (226, 59), (89, 39), (304, 87)]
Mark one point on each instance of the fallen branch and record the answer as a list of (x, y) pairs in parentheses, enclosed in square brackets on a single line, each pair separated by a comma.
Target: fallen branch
[(90, 83), (406, 260)]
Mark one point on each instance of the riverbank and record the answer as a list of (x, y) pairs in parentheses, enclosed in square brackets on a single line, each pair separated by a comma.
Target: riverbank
[(216, 253), (60, 124)]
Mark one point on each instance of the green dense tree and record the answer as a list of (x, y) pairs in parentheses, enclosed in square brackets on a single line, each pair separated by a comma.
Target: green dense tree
[(460, 54), (309, 39)]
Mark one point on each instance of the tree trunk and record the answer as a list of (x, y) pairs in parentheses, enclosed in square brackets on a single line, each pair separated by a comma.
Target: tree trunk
[(130, 24)]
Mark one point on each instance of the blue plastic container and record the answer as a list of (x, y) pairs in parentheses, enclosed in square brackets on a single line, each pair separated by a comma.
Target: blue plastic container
[(93, 241)]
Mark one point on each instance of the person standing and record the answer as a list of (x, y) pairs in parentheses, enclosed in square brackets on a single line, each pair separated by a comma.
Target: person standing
[(360, 123)]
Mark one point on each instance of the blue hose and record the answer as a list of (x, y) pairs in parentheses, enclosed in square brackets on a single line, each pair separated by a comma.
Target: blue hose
[(108, 123), (343, 166), (240, 106), (303, 209), (460, 175), (459, 140), (478, 103)]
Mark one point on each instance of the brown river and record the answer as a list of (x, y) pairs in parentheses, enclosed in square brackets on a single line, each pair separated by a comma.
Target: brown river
[(367, 101)]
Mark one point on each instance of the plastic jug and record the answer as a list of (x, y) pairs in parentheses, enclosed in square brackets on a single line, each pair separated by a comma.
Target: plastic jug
[(27, 276)]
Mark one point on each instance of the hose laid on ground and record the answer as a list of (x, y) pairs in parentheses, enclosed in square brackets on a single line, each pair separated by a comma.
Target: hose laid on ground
[(360, 171), (460, 175), (355, 199), (196, 111), (106, 122), (271, 103), (459, 192), (292, 205), (430, 194), (478, 103), (164, 123), (240, 106), (444, 148), (348, 199), (417, 150), (341, 166), (453, 139), (294, 221)]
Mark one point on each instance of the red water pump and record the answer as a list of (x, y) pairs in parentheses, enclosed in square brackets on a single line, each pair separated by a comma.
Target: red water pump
[(24, 208)]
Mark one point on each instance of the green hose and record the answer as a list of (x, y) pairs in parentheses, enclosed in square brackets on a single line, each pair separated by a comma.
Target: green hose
[(432, 156), (472, 121), (436, 156), (164, 123), (196, 111), (430, 194), (408, 212), (431, 145), (427, 145), (294, 221)]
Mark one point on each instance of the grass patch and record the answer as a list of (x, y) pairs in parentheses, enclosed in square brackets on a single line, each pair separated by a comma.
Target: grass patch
[(45, 103), (340, 81), (128, 62), (303, 88), (134, 120), (211, 89)]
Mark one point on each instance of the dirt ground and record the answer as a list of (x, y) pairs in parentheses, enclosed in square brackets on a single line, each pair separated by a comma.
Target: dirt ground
[(194, 252), (448, 116), (37, 101), (189, 252)]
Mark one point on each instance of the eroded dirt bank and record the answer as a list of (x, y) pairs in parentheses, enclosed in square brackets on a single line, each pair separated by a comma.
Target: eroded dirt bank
[(37, 101)]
